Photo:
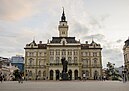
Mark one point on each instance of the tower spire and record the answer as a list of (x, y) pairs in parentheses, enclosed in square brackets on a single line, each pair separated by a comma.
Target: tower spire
[(63, 27), (63, 18)]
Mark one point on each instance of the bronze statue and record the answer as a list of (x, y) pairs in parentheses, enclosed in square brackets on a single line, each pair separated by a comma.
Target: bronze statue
[(64, 63)]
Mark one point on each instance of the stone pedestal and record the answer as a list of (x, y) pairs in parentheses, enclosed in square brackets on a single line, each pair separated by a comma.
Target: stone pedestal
[(64, 76)]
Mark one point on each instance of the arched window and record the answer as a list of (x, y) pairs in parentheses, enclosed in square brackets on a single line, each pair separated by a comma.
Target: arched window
[(95, 61), (30, 73), (57, 60), (63, 52), (85, 62), (31, 61), (75, 59), (39, 62), (76, 74), (51, 74), (69, 59), (44, 73), (39, 73)]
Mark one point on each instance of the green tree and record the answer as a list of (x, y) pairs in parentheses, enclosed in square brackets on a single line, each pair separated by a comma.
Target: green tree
[(111, 72), (16, 74)]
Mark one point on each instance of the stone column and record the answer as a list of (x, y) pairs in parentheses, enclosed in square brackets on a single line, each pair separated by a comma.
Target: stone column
[(72, 56), (54, 75), (72, 74), (66, 54), (60, 54)]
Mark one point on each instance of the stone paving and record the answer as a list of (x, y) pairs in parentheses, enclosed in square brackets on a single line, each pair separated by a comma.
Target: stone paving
[(64, 86)]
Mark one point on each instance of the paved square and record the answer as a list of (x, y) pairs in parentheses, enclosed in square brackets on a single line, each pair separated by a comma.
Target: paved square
[(64, 86)]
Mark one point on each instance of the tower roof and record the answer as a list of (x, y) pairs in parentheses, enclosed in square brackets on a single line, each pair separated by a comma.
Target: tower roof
[(63, 18)]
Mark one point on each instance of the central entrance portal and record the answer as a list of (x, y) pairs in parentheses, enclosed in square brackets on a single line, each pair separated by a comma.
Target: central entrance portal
[(57, 74)]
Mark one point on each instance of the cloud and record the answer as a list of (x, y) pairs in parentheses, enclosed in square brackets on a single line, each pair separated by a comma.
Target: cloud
[(79, 28), (12, 10), (112, 55), (96, 37), (119, 41)]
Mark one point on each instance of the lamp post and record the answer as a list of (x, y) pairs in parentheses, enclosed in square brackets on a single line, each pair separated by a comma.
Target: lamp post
[(124, 74)]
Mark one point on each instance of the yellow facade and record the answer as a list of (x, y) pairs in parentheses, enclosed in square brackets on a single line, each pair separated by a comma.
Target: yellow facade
[(43, 61)]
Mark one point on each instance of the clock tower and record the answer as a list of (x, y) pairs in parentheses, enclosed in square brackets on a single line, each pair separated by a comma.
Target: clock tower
[(63, 27)]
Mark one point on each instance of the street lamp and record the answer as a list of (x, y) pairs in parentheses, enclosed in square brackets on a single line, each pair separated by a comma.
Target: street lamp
[(124, 74)]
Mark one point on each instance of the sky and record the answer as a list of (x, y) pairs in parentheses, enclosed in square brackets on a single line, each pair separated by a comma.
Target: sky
[(104, 21)]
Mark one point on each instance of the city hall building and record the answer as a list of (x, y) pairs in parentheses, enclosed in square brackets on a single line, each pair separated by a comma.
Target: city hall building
[(43, 60)]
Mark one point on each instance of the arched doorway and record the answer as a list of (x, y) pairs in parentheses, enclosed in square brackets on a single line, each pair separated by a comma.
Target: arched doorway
[(87, 74), (39, 75), (76, 74), (51, 74), (95, 75), (44, 75), (57, 74), (83, 74), (70, 74)]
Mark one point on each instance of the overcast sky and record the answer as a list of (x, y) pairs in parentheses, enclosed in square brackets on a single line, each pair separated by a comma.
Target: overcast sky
[(106, 21)]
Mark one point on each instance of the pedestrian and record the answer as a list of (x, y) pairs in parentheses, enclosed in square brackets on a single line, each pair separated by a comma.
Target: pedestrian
[(84, 76), (1, 78), (104, 77), (22, 79), (19, 77)]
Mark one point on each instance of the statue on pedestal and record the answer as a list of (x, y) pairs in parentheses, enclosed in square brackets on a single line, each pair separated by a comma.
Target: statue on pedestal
[(64, 71), (64, 63)]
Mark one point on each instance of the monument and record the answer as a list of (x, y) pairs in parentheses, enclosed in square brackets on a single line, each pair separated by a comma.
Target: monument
[(64, 75)]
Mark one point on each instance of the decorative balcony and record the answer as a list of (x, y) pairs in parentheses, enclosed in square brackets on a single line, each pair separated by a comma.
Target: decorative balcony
[(60, 64)]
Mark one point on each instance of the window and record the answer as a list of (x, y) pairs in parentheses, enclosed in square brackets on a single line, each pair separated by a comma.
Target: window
[(57, 59), (44, 62), (69, 59), (75, 52), (94, 54), (44, 73), (57, 52), (95, 61), (63, 52), (40, 53), (125, 57), (63, 32), (51, 60), (86, 53), (30, 61), (87, 73), (75, 59), (40, 62), (30, 73), (69, 52), (85, 61), (51, 52), (39, 73)]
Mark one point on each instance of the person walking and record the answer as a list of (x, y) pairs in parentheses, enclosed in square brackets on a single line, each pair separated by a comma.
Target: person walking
[(1, 78), (84, 77)]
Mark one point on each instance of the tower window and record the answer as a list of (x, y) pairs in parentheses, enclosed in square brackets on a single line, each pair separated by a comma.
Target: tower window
[(63, 32)]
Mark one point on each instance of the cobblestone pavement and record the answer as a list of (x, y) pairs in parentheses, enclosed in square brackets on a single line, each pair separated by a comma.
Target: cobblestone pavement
[(64, 86)]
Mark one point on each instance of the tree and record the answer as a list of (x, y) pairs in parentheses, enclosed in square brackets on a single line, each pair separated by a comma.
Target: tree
[(16, 74), (111, 72)]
